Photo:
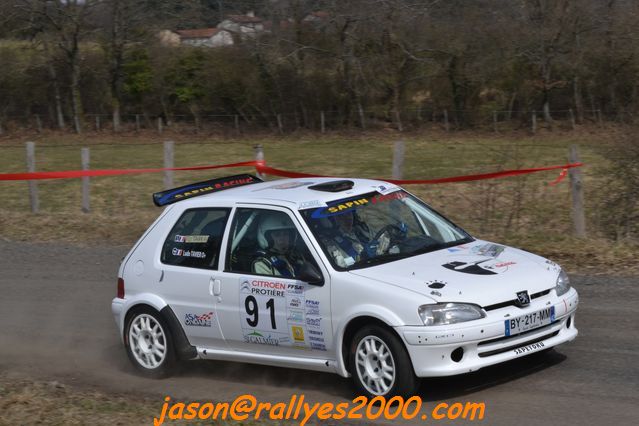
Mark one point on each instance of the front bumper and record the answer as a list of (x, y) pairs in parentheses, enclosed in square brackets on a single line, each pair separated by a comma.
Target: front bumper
[(484, 342)]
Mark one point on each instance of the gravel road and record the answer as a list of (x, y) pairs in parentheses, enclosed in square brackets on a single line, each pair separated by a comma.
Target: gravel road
[(57, 325)]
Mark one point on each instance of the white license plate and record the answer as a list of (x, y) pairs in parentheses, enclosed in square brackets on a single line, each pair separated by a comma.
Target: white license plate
[(530, 321)]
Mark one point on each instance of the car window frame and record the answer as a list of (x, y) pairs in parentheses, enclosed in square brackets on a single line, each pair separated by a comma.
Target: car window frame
[(306, 238), (468, 237), (180, 215)]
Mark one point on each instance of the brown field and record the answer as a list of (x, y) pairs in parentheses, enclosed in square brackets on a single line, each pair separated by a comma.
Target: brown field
[(522, 211)]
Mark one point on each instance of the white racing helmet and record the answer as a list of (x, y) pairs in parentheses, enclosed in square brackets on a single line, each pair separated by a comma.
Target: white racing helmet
[(273, 222)]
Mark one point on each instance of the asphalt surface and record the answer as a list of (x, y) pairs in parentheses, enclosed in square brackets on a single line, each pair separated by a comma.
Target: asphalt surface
[(57, 325)]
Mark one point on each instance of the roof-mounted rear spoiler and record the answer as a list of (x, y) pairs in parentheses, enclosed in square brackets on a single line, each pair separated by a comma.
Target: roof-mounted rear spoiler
[(201, 188)]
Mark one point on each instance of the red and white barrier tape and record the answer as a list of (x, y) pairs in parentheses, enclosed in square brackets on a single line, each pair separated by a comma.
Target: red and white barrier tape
[(261, 167)]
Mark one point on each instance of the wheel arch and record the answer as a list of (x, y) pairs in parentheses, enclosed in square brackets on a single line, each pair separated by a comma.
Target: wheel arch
[(183, 348), (352, 326)]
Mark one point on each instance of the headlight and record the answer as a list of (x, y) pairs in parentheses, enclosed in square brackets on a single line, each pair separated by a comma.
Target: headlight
[(449, 313), (563, 283)]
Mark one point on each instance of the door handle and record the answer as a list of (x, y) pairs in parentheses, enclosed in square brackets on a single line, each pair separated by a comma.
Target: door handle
[(215, 287)]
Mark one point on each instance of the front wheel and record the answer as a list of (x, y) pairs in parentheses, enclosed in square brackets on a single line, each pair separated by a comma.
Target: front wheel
[(149, 343), (380, 364)]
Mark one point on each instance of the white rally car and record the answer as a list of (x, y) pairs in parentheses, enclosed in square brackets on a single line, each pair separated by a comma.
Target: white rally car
[(356, 277)]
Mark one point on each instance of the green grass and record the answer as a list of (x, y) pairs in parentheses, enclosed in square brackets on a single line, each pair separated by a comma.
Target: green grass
[(523, 211)]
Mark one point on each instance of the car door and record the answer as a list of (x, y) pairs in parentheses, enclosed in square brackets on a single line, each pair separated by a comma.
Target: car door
[(189, 260), (272, 313)]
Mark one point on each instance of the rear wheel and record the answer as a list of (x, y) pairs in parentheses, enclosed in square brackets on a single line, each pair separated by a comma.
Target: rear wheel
[(149, 343), (380, 364)]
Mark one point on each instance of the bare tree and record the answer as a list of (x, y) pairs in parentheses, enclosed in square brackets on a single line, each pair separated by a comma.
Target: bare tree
[(124, 25), (65, 23)]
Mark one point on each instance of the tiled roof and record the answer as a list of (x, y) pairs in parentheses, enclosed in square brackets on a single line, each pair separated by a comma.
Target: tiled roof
[(198, 33)]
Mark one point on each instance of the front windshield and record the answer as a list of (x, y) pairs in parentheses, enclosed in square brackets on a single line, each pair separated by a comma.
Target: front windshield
[(375, 228)]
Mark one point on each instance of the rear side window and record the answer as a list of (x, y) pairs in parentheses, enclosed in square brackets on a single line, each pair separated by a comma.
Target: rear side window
[(196, 238)]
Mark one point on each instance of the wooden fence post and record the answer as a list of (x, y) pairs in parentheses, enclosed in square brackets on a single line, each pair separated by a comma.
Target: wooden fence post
[(572, 119), (446, 123), (577, 192), (168, 163), (322, 122), (33, 186), (86, 205), (398, 159), (137, 122), (97, 122), (160, 125), (259, 156), (534, 122)]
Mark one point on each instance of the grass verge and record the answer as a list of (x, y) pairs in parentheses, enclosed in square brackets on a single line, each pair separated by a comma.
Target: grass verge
[(523, 211)]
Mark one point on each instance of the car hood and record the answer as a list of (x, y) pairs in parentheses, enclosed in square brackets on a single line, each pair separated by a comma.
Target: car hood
[(479, 272)]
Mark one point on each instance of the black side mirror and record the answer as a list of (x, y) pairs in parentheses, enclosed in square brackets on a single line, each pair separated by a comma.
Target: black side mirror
[(310, 275)]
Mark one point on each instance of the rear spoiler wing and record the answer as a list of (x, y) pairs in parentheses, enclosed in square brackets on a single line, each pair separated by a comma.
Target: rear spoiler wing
[(174, 195)]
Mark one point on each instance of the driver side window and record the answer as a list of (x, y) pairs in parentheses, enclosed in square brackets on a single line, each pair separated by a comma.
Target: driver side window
[(266, 242)]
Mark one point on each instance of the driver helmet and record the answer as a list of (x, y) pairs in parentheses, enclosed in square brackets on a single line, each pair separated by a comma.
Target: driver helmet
[(270, 223)]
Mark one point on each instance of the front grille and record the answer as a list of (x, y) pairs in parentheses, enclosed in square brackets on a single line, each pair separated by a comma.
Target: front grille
[(518, 345), (513, 336), (514, 302)]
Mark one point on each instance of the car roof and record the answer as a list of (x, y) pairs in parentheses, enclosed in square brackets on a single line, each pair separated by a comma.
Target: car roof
[(291, 192)]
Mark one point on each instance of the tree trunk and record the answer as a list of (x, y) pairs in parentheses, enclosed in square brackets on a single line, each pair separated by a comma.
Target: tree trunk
[(578, 99), (395, 109), (53, 75), (57, 97), (116, 115), (546, 110), (76, 99)]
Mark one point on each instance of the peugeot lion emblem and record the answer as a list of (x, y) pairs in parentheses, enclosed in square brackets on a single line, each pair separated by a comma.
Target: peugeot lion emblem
[(523, 299)]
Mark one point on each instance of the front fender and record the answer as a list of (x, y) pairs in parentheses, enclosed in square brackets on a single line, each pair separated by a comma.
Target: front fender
[(380, 313)]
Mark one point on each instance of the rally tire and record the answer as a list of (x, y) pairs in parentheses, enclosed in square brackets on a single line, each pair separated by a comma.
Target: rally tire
[(149, 343), (380, 365)]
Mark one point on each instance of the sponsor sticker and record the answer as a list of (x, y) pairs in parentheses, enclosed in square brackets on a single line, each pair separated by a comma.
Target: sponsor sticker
[(261, 339), (295, 315), (488, 249), (339, 208), (312, 307), (203, 320), (298, 333), (385, 189), (295, 288), (191, 238), (318, 346), (314, 322), (529, 348), (389, 197), (188, 253), (310, 204)]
